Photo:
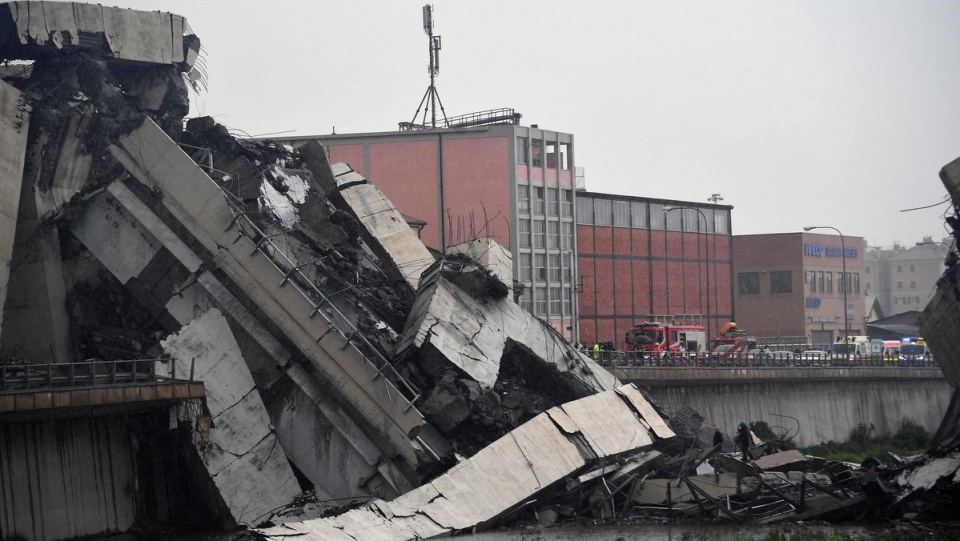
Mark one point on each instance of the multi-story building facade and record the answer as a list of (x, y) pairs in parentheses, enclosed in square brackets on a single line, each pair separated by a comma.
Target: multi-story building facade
[(516, 184), (641, 259), (792, 286), (509, 182), (903, 279)]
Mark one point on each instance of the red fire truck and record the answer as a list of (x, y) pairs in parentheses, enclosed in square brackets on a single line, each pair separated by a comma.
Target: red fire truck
[(663, 340), (732, 343)]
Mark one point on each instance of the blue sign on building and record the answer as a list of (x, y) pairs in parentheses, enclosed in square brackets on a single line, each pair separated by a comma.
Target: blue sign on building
[(819, 250), (813, 302)]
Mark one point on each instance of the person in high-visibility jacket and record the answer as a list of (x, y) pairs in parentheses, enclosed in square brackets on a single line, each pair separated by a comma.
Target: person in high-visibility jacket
[(596, 351)]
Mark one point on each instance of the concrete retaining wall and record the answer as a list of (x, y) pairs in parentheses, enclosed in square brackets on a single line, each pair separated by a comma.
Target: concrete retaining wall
[(826, 409)]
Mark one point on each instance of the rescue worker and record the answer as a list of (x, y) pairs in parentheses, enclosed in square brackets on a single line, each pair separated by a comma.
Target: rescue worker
[(717, 437), (742, 439), (596, 351)]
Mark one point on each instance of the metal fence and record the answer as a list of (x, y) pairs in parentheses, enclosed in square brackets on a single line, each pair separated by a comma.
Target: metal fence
[(774, 359), (17, 378)]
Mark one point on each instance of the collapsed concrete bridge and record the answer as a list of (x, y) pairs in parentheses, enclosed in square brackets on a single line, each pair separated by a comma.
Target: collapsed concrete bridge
[(336, 354)]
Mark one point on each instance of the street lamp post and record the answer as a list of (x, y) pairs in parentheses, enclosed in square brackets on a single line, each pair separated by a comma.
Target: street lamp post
[(846, 320), (667, 209)]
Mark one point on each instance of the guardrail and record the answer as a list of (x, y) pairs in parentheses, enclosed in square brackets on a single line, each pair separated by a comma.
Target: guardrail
[(320, 301), (21, 378), (743, 360)]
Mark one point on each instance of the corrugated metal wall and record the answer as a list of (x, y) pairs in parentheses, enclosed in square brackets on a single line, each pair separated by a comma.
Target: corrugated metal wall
[(65, 478)]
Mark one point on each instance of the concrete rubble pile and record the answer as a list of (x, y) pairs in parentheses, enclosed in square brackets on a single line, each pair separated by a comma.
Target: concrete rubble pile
[(339, 357)]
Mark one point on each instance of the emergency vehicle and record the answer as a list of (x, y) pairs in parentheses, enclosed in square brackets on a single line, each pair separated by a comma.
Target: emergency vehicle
[(660, 340), (853, 348), (913, 350), (891, 352), (732, 342)]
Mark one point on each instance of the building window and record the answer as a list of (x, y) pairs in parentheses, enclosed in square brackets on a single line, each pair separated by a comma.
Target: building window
[(896, 301), (567, 300), (621, 214), (552, 155), (523, 199), (916, 300), (555, 300), (540, 301), (856, 282), (674, 220), (538, 200), (539, 233), (565, 156), (913, 268), (552, 202), (567, 235), (566, 203), (521, 150), (553, 235), (822, 282), (657, 217), (866, 287), (749, 283), (866, 270), (691, 220), (913, 284), (554, 267), (526, 269), (811, 278), (841, 283), (523, 230), (536, 152), (585, 211), (604, 212), (721, 222), (829, 281), (568, 267), (781, 282), (899, 284), (540, 267), (899, 268), (638, 215)]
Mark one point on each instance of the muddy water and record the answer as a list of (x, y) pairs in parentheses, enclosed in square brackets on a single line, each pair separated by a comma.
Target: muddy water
[(727, 532)]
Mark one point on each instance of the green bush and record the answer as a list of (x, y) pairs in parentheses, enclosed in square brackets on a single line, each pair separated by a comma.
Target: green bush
[(910, 439)]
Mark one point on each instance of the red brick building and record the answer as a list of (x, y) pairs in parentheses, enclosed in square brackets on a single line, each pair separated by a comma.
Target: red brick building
[(641, 259)]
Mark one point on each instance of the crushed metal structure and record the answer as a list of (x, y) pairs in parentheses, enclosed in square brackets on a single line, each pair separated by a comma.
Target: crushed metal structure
[(237, 333)]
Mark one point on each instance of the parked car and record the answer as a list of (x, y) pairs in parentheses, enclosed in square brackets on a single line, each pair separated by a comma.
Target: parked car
[(813, 357), (782, 357)]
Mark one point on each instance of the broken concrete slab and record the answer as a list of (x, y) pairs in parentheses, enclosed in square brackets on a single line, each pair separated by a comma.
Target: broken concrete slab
[(311, 427), (14, 124), (396, 241), (472, 335), (498, 479), (126, 34), (200, 205), (253, 479), (493, 257), (784, 461)]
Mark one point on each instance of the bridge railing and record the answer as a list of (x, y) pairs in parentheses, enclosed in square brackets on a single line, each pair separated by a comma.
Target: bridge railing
[(20, 378), (777, 359)]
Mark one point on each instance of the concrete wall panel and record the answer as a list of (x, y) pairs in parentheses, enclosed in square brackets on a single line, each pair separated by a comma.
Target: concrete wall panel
[(65, 478), (14, 121)]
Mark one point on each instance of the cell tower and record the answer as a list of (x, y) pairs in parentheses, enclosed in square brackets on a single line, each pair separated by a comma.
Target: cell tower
[(431, 98)]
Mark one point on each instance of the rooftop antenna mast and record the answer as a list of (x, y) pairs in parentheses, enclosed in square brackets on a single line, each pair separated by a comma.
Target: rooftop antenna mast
[(431, 98)]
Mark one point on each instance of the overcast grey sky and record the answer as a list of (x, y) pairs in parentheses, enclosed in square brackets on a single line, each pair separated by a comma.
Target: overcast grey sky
[(798, 113)]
